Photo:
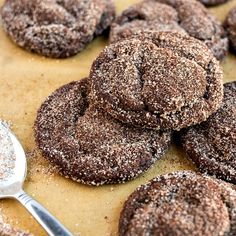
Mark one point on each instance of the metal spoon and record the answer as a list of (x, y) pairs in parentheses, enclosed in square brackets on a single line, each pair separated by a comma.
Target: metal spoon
[(12, 188)]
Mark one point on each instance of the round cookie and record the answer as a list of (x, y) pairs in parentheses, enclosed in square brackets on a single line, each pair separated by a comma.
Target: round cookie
[(157, 80), (56, 28), (90, 146), (182, 16), (230, 26), (181, 203), (212, 144), (212, 2)]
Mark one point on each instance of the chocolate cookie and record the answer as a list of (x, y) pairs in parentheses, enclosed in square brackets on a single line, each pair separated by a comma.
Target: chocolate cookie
[(212, 145), (181, 203), (183, 16), (89, 145), (158, 80), (56, 28), (212, 2), (230, 26)]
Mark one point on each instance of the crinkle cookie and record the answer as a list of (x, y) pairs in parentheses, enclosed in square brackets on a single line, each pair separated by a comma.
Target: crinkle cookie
[(56, 28), (183, 16), (230, 26), (180, 204), (88, 145), (212, 144), (157, 80)]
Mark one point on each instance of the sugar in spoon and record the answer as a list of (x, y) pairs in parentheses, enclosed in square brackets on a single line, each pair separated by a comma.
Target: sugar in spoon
[(13, 169)]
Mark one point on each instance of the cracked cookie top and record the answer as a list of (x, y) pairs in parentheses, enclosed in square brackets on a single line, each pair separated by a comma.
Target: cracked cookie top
[(157, 80), (181, 203), (183, 16), (56, 28)]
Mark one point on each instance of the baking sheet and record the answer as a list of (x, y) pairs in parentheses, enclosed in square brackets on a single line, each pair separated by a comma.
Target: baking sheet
[(25, 81)]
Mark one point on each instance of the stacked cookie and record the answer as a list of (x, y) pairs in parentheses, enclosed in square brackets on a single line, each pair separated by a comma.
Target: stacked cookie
[(114, 125), (157, 80)]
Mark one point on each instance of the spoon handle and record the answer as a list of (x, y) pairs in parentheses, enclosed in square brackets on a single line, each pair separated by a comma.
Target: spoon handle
[(51, 225)]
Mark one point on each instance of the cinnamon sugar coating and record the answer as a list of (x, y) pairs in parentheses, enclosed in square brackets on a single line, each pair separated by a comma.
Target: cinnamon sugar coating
[(56, 28), (183, 16), (230, 26), (181, 203), (157, 80), (90, 146), (212, 145), (212, 2)]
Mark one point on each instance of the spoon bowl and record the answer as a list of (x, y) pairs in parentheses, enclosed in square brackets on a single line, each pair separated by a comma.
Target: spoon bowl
[(11, 187), (13, 184)]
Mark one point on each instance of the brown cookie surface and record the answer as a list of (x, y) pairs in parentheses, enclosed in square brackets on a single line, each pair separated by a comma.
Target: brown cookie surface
[(212, 2), (182, 16), (89, 145), (159, 80), (212, 145), (56, 28), (181, 203), (230, 26)]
